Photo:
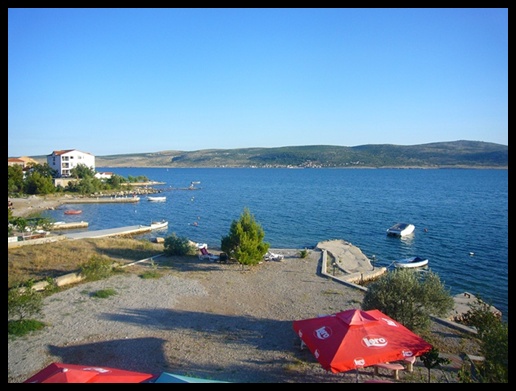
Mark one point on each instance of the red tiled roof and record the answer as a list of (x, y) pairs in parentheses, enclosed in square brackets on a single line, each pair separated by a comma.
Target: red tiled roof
[(63, 151)]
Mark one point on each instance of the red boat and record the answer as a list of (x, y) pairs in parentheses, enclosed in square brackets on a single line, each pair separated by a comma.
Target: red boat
[(73, 212)]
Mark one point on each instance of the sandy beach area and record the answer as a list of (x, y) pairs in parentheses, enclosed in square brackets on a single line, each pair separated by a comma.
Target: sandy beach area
[(25, 206)]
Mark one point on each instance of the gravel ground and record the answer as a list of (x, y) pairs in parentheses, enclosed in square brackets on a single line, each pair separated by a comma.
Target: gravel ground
[(202, 319)]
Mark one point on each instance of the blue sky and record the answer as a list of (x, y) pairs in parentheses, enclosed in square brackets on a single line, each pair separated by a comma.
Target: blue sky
[(115, 81)]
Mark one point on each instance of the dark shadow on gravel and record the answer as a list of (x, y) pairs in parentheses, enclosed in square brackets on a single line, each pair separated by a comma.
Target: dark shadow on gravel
[(236, 329), (283, 360)]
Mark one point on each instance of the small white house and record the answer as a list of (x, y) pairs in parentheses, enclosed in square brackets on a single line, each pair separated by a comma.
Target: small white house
[(103, 175), (65, 160)]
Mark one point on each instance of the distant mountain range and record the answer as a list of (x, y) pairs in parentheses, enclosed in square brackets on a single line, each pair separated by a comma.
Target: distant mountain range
[(455, 154)]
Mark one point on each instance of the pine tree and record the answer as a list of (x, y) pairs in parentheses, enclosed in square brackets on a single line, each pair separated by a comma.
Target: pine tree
[(245, 240)]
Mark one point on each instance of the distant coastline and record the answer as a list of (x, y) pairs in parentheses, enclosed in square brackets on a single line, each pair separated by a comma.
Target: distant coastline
[(460, 154)]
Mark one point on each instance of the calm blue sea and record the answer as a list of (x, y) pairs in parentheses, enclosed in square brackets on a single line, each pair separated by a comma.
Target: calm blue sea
[(456, 212)]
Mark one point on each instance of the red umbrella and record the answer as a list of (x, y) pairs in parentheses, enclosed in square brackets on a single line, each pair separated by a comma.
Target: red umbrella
[(354, 338), (69, 373)]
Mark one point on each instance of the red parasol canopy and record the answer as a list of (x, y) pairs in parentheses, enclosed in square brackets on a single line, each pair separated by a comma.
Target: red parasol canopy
[(69, 373), (354, 338)]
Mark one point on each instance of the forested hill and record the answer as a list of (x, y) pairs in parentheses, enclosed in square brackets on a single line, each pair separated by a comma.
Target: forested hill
[(456, 154)]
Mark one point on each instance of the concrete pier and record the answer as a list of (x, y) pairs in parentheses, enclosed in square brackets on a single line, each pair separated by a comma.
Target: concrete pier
[(101, 200), (62, 225), (102, 233)]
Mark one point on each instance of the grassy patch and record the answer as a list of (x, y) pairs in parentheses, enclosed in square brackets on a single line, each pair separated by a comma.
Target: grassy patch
[(104, 293), (331, 292), (150, 274), (22, 327), (38, 262)]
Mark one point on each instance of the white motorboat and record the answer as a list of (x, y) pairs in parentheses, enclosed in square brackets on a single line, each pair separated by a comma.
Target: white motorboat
[(159, 224), (411, 262), (401, 229), (157, 199)]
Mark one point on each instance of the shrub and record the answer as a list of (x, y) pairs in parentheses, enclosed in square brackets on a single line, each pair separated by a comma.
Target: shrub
[(23, 302), (179, 246), (409, 297), (150, 274), (431, 359), (493, 334), (22, 327), (97, 268), (104, 293), (51, 287)]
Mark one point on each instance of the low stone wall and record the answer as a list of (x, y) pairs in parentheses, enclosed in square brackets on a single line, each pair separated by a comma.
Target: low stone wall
[(65, 279), (351, 279), (46, 239)]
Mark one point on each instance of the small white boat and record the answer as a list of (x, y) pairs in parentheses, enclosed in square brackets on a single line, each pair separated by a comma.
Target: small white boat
[(157, 199), (411, 262), (401, 229), (159, 224)]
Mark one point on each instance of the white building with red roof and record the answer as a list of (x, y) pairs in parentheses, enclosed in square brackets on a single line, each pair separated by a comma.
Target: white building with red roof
[(65, 160)]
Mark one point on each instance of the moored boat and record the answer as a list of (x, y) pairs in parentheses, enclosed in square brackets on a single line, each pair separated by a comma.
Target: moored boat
[(157, 199), (411, 262), (159, 224), (401, 229), (73, 212)]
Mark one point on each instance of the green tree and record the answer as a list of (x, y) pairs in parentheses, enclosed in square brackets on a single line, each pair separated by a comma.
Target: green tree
[(43, 169), (89, 185), (245, 240), (18, 223), (115, 181), (409, 297), (82, 171), (139, 178), (14, 179), (38, 183)]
